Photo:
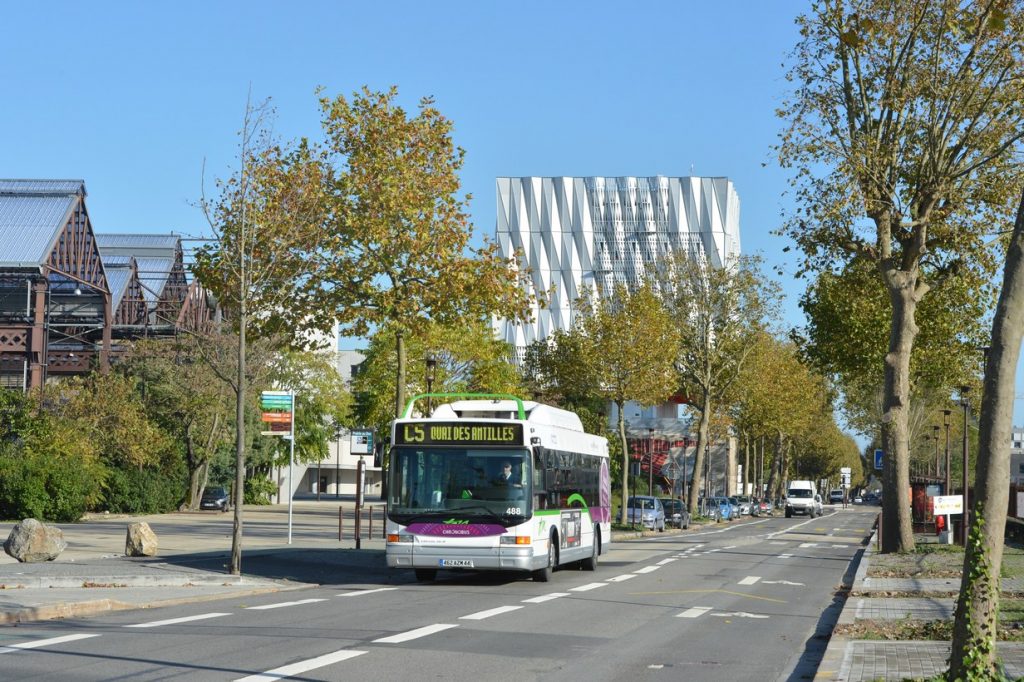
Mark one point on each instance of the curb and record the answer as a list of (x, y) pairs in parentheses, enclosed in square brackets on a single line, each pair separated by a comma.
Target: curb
[(835, 658), (177, 580), (98, 606)]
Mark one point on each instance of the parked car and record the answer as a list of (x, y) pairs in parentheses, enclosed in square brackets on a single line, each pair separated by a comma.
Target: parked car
[(646, 511), (741, 503), (835, 496), (720, 508), (676, 513), (762, 508), (215, 498)]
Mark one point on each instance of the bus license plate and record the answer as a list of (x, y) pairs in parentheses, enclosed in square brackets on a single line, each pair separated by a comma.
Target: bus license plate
[(456, 563)]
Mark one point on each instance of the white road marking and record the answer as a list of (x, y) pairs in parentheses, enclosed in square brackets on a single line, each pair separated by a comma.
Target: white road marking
[(414, 634), (283, 604), (785, 556), (360, 593), (480, 615), (730, 547), (620, 578), (739, 614), (694, 612), (713, 550), (545, 597), (587, 587), (839, 546), (666, 561), (808, 544), (10, 648), (777, 543), (750, 580), (175, 621), (300, 667), (779, 582), (647, 569)]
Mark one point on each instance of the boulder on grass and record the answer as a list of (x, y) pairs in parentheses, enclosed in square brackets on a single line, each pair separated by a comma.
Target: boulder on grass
[(32, 541), (141, 540)]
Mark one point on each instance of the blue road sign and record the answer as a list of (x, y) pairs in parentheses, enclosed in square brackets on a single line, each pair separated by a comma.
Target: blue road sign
[(878, 458)]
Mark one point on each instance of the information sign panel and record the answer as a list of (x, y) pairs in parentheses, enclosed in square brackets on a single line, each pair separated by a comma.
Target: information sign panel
[(948, 504)]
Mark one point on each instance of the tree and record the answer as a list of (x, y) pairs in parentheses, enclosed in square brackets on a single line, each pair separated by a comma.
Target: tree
[(469, 358), (629, 340), (974, 625), (846, 337), (398, 237), (266, 218), (718, 313), (901, 132), (186, 398)]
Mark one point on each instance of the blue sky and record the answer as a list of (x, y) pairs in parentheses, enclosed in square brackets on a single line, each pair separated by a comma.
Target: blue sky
[(133, 97)]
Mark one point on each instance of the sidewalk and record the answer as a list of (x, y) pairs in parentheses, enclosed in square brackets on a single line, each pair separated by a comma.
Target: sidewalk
[(194, 549), (855, 660)]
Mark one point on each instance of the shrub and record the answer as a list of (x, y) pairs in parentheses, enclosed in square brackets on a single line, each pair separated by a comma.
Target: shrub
[(259, 490), (142, 491)]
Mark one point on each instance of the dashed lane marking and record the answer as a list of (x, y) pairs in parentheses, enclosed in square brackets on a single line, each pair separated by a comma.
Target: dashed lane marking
[(360, 593), (750, 580), (282, 605), (175, 621), (779, 582), (694, 612), (587, 587), (546, 597), (808, 544), (730, 592), (739, 614), (620, 578), (666, 561), (415, 634), (35, 644), (785, 556), (480, 615), (647, 569), (293, 669)]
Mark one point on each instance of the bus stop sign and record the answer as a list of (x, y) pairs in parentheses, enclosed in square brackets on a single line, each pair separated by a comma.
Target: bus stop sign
[(878, 458)]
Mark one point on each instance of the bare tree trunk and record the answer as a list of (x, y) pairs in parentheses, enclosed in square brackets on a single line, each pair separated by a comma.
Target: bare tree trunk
[(239, 492), (897, 527), (698, 459), (621, 405), (400, 378), (746, 464), (974, 628)]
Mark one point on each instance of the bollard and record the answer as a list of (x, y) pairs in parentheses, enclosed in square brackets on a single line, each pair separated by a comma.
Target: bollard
[(359, 527), (341, 519), (369, 535)]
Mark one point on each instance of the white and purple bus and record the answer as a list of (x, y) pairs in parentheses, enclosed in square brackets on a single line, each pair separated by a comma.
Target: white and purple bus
[(496, 483)]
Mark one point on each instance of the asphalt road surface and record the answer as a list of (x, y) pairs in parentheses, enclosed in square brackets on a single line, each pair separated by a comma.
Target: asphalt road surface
[(746, 601)]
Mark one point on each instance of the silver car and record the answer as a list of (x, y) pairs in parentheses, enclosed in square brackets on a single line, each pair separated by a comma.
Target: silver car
[(646, 511)]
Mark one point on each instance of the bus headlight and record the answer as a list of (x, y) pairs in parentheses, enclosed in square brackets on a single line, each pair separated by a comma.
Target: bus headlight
[(396, 538), (516, 540)]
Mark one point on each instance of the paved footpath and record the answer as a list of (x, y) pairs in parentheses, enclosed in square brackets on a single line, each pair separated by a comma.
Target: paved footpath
[(852, 660)]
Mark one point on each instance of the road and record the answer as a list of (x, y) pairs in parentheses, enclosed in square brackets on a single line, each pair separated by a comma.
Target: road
[(752, 600)]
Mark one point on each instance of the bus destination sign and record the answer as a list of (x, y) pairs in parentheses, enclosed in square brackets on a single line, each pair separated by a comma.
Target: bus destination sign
[(453, 433)]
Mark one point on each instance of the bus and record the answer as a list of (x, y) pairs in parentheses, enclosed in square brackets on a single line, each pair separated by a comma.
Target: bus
[(494, 482)]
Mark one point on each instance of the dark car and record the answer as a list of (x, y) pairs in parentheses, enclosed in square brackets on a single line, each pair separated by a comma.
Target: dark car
[(215, 498), (676, 513)]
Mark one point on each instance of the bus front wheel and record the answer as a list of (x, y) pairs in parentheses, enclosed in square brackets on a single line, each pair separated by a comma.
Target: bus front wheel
[(543, 575)]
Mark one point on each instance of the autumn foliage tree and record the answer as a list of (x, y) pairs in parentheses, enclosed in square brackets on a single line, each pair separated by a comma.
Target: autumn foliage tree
[(901, 132)]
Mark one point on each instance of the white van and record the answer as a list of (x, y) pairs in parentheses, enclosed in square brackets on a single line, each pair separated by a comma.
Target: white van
[(802, 498)]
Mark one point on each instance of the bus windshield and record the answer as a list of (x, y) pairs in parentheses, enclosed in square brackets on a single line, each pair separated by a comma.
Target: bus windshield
[(489, 484)]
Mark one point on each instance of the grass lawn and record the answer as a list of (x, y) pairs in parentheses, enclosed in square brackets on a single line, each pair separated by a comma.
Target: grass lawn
[(939, 561)]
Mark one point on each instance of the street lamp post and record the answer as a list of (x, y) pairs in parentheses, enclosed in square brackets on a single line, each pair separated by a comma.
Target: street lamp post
[(949, 483), (935, 435), (431, 366), (650, 462), (965, 402)]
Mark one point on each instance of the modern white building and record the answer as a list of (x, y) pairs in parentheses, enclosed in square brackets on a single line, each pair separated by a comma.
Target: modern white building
[(574, 233)]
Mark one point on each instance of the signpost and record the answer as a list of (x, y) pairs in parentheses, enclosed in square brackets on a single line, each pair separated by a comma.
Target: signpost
[(878, 458), (278, 409), (947, 505)]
